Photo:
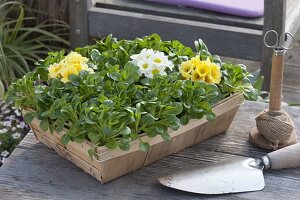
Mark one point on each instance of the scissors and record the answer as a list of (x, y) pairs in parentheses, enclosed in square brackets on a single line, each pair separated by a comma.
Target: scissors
[(280, 44), (280, 47)]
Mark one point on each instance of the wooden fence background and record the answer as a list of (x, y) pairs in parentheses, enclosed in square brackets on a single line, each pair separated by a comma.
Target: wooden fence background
[(52, 9)]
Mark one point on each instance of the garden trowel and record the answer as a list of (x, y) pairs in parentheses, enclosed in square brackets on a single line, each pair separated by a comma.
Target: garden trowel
[(232, 176)]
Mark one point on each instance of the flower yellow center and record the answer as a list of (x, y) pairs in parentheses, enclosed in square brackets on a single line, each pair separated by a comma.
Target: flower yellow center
[(157, 60), (145, 65), (155, 71)]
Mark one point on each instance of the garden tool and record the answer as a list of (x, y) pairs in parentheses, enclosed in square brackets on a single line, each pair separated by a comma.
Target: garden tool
[(275, 128), (232, 176)]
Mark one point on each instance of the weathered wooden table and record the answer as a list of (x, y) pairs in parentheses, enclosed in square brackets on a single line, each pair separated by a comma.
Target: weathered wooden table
[(35, 172)]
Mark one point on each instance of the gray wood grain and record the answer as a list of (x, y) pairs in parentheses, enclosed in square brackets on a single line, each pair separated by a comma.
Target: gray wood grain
[(274, 19), (35, 172), (78, 12), (221, 39), (180, 12)]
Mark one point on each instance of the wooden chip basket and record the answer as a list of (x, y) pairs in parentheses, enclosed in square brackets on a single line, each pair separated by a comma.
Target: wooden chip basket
[(109, 164)]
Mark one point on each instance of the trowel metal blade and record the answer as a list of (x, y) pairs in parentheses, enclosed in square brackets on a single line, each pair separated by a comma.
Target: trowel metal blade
[(229, 176)]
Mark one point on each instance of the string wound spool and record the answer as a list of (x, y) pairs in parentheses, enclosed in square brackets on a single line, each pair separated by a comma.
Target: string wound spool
[(277, 127)]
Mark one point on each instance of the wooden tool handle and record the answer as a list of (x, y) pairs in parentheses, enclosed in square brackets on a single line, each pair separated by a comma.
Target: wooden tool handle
[(285, 158), (276, 82)]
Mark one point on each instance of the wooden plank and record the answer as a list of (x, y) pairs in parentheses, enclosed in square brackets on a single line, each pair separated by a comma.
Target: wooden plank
[(293, 56), (292, 21), (180, 12), (274, 18), (78, 20), (35, 172), (291, 93), (222, 40), (291, 75)]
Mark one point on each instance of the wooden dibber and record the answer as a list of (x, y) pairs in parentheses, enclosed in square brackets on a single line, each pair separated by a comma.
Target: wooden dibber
[(275, 128)]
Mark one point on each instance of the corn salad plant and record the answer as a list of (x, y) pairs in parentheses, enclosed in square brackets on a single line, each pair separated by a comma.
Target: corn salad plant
[(111, 92)]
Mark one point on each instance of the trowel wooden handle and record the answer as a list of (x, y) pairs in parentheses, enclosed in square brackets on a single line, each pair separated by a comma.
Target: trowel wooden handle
[(276, 82), (285, 158)]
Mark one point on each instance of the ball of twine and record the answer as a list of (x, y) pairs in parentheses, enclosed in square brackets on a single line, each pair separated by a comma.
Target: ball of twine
[(276, 126)]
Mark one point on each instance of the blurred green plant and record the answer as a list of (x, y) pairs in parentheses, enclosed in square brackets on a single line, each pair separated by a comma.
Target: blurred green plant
[(23, 41)]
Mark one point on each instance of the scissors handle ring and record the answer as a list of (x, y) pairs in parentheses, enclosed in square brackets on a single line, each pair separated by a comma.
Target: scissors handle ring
[(265, 36), (282, 40)]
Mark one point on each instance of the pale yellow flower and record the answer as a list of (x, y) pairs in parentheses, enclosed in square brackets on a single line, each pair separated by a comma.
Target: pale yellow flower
[(209, 79), (54, 70), (186, 67), (73, 63), (198, 70), (66, 72), (203, 68), (197, 77), (215, 73), (75, 58), (186, 76), (196, 61)]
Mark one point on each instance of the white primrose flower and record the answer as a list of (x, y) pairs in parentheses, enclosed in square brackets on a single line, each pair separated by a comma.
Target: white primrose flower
[(156, 69), (11, 117), (4, 130), (17, 112), (7, 123), (152, 62), (145, 65), (16, 136), (4, 153), (170, 65), (159, 58), (6, 111), (21, 125)]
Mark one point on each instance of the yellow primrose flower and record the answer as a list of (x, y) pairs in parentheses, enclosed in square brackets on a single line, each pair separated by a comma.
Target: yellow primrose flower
[(215, 73), (73, 63), (203, 68), (75, 58), (185, 76), (186, 67), (54, 70), (209, 79), (66, 72), (197, 77), (196, 61)]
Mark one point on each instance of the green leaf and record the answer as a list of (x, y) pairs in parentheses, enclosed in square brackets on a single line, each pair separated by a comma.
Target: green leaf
[(51, 128), (44, 125), (171, 121), (125, 131), (165, 136), (65, 139), (111, 143), (74, 79), (92, 152), (148, 119), (144, 146), (94, 137), (175, 109), (28, 117), (151, 131), (115, 76), (211, 117), (184, 120), (79, 138), (124, 144)]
